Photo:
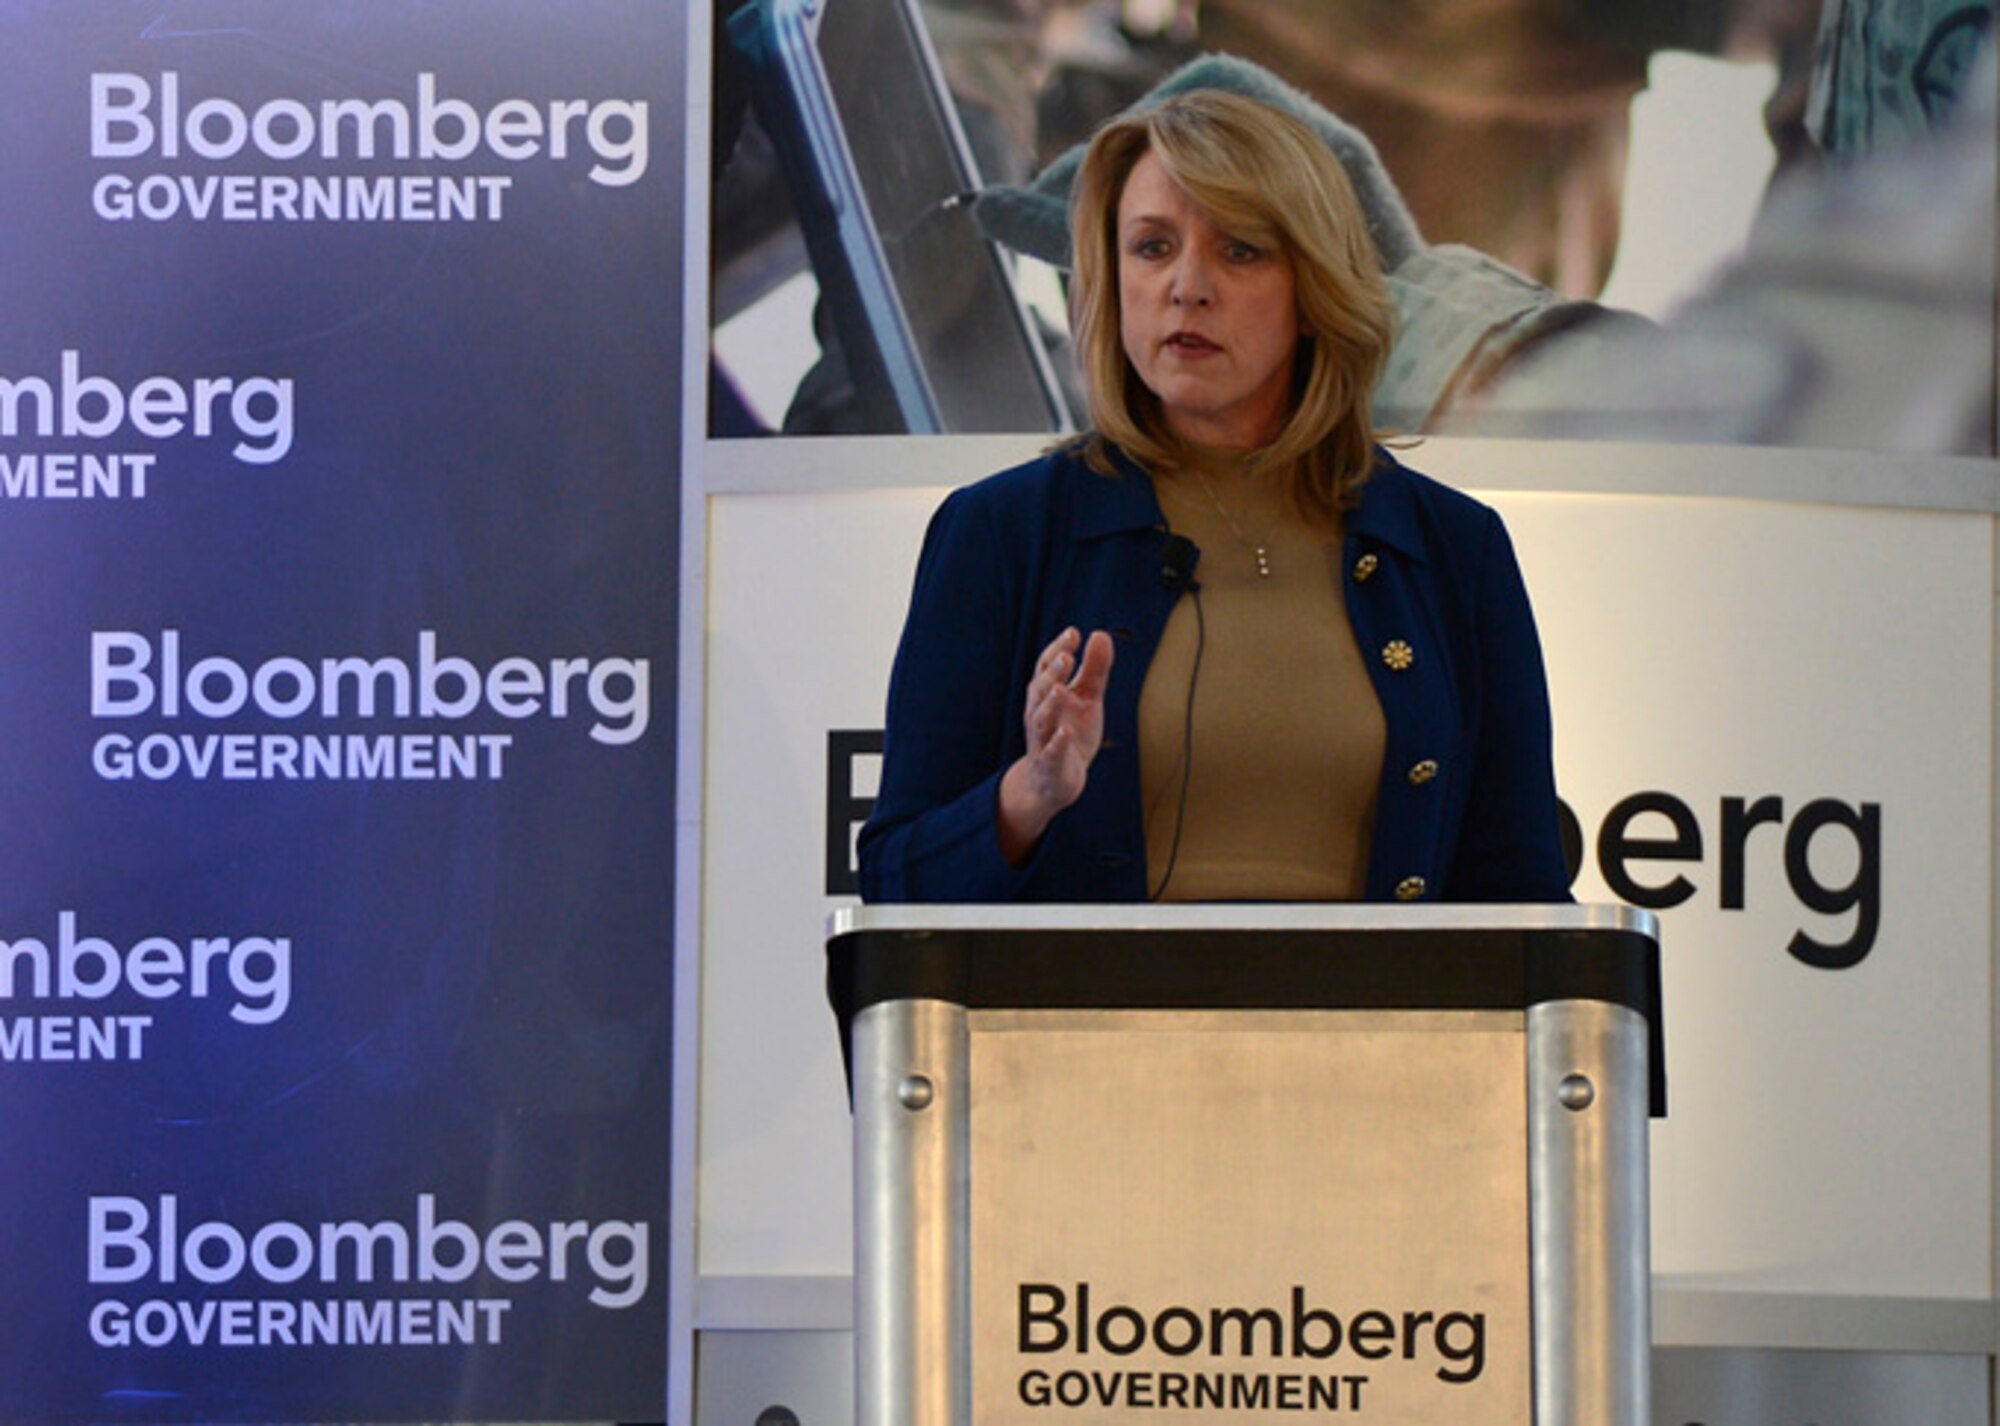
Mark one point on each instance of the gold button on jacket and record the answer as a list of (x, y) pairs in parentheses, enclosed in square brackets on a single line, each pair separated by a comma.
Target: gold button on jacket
[(1410, 888), (1398, 655), (1423, 772)]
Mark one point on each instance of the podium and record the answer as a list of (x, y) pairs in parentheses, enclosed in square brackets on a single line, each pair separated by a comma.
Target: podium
[(1232, 1163)]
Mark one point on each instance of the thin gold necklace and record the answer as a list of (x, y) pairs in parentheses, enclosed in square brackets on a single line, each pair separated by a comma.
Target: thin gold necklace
[(1258, 548)]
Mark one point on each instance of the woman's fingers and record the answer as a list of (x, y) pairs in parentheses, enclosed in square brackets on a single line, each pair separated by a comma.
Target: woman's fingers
[(1065, 709), (1095, 672), (1052, 670)]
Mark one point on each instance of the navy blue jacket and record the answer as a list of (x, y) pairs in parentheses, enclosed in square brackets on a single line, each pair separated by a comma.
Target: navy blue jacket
[(1467, 807)]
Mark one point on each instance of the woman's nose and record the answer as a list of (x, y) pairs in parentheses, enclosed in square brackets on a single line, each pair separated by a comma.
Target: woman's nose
[(1191, 284)]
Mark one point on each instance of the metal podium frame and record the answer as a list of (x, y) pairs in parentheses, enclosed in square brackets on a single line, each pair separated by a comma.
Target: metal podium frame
[(1583, 980)]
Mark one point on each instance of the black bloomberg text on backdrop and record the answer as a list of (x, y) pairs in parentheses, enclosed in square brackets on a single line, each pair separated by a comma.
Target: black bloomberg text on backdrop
[(1638, 862)]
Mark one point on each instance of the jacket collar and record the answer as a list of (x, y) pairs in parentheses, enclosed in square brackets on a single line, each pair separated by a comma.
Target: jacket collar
[(1111, 505), (1388, 514)]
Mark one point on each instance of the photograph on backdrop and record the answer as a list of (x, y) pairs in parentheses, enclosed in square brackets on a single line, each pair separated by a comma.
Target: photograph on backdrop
[(1760, 222)]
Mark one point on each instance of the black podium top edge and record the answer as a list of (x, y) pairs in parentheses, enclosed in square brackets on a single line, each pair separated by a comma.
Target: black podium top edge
[(1249, 958)]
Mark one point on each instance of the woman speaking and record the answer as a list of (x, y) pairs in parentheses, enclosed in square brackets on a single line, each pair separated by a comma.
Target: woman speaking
[(1223, 647)]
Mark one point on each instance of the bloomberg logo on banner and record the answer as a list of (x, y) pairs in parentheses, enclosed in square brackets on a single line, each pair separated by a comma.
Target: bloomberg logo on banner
[(340, 1282), (149, 120), (53, 978), (137, 676), (89, 429)]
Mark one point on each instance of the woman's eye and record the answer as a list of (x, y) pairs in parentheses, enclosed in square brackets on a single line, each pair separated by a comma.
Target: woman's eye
[(1150, 247), (1242, 252)]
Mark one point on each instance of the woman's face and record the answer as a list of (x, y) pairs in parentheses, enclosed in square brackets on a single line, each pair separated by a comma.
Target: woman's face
[(1209, 322)]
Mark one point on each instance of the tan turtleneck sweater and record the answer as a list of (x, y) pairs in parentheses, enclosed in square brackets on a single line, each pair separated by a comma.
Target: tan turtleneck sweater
[(1287, 734)]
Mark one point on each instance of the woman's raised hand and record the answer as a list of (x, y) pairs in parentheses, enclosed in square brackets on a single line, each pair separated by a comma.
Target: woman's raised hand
[(1064, 720)]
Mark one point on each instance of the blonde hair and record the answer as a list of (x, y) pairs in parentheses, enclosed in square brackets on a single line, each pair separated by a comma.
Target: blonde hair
[(1266, 178)]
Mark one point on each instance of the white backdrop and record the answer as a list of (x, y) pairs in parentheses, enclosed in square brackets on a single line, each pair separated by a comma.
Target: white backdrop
[(1831, 1130)]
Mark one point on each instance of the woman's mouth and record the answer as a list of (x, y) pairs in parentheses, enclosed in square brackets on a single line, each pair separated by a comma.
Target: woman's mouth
[(1191, 342)]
